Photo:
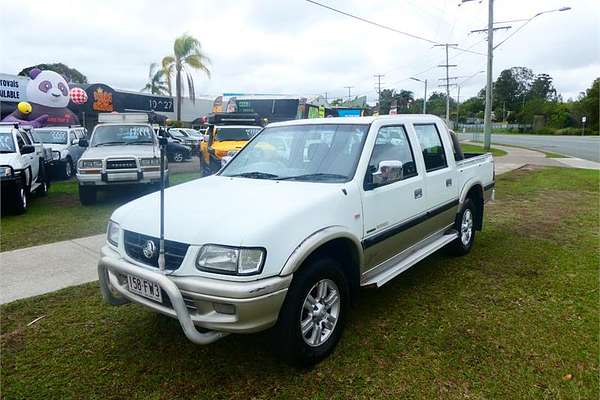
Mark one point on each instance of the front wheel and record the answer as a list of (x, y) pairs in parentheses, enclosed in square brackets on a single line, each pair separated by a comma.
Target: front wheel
[(21, 193), (178, 157), (465, 226), (312, 317)]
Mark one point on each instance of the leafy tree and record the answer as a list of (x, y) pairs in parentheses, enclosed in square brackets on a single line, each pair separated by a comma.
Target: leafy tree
[(337, 102), (473, 107), (542, 88), (70, 74), (157, 83), (187, 56), (588, 106), (511, 89), (436, 104), (385, 101), (404, 98)]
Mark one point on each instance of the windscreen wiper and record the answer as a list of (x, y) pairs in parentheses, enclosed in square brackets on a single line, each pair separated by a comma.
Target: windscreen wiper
[(109, 143), (141, 142), (255, 175), (315, 176)]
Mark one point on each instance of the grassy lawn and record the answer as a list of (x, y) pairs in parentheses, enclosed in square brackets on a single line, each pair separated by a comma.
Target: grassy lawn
[(60, 216), (516, 318), (474, 148)]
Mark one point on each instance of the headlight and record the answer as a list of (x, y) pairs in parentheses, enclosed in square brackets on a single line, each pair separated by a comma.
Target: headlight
[(112, 233), (55, 155), (230, 260), (5, 171), (150, 162), (83, 164)]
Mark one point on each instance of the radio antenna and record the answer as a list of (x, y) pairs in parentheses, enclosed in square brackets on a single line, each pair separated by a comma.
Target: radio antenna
[(162, 142)]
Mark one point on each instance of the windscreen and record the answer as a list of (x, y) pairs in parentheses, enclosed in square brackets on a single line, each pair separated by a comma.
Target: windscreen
[(107, 135), (7, 144), (235, 133), (324, 153), (50, 136)]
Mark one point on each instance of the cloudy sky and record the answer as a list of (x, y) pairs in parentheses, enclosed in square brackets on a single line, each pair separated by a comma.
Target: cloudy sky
[(294, 47)]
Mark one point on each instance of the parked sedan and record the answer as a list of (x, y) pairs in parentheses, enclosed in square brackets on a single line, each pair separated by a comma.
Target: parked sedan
[(177, 152)]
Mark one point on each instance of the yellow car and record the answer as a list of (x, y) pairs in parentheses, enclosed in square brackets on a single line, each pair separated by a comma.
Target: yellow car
[(223, 139)]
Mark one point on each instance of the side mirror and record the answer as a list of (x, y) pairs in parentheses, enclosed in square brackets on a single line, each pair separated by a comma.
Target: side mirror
[(27, 149), (83, 142), (388, 171)]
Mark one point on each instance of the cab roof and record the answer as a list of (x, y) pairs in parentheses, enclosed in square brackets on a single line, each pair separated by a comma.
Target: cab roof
[(400, 118)]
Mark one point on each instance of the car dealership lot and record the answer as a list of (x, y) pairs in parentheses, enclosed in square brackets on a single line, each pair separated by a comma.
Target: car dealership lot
[(432, 333)]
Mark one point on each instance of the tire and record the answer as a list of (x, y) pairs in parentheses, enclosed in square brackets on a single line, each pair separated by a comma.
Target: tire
[(178, 157), (87, 195), (42, 190), (67, 172), (214, 165), (204, 168), (465, 226), (21, 197), (321, 332)]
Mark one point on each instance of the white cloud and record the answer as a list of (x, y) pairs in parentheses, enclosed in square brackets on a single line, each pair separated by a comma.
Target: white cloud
[(268, 46)]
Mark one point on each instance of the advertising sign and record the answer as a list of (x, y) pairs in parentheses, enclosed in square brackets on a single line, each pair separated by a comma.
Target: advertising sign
[(12, 88), (144, 102)]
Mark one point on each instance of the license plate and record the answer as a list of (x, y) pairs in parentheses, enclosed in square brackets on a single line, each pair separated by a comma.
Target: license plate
[(144, 287)]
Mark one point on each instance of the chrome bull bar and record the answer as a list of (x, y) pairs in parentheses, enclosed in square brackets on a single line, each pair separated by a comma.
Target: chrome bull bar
[(117, 265)]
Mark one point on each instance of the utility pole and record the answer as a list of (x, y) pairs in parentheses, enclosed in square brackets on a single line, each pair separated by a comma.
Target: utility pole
[(378, 77), (487, 122), (349, 88), (447, 66), (457, 104)]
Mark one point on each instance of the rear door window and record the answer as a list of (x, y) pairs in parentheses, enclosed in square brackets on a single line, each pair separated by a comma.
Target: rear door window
[(431, 146)]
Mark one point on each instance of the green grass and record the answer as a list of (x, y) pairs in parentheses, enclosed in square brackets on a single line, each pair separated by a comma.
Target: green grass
[(60, 216), (508, 321), (474, 148)]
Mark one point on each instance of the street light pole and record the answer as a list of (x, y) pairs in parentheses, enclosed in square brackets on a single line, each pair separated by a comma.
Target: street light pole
[(425, 95)]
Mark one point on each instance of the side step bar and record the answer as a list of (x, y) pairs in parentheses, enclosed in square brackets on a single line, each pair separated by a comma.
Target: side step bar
[(402, 262)]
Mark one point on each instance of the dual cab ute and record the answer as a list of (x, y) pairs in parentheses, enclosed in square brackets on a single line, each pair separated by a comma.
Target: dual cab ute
[(297, 229), (22, 168), (123, 150)]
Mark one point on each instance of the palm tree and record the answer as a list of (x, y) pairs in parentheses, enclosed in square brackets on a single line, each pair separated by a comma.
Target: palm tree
[(156, 81), (404, 98), (187, 55)]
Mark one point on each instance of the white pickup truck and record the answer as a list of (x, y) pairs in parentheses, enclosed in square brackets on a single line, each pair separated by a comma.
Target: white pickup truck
[(22, 168), (294, 231)]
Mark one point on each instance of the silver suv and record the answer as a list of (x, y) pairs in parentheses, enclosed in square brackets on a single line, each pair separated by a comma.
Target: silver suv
[(118, 154)]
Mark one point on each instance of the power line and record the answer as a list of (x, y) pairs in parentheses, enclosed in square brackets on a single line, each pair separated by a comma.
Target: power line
[(389, 28)]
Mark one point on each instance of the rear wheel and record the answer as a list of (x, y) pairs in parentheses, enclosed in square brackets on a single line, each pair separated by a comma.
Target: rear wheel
[(465, 226), (178, 156), (312, 317), (68, 169), (87, 195)]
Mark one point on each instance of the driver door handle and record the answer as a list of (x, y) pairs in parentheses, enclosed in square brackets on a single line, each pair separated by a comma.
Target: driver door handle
[(418, 193)]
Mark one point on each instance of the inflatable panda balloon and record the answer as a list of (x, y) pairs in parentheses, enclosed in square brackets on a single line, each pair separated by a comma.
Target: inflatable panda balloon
[(48, 94)]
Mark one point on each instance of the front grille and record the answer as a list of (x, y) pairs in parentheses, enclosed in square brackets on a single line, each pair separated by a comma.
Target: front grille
[(121, 164), (174, 251)]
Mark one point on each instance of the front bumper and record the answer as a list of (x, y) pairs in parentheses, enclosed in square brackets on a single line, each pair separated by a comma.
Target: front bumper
[(250, 306), (119, 177)]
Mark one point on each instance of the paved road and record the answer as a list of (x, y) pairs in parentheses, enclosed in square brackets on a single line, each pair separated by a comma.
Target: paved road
[(586, 147)]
